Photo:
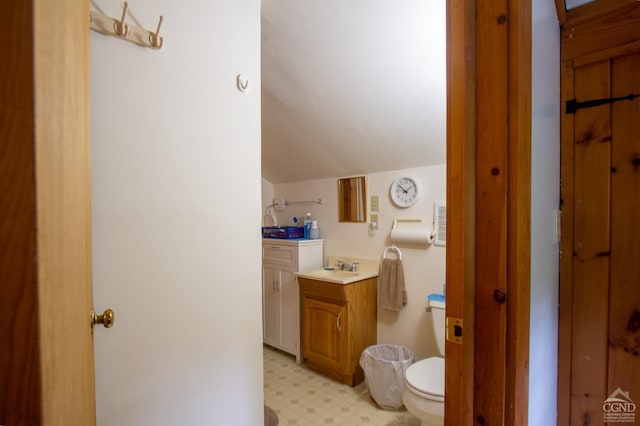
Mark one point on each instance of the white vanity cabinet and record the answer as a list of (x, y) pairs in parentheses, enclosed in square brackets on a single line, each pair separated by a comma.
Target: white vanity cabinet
[(280, 291)]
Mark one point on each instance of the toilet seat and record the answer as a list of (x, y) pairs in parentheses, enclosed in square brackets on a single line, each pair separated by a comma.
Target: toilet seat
[(426, 378)]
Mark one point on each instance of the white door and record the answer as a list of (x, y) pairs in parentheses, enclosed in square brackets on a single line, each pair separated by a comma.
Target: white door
[(289, 312), (270, 305), (176, 216)]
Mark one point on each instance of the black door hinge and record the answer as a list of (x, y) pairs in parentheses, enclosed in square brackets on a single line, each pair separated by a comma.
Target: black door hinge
[(573, 105)]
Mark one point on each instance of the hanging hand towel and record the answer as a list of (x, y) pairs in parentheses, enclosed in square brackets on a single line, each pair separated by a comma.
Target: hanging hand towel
[(393, 294)]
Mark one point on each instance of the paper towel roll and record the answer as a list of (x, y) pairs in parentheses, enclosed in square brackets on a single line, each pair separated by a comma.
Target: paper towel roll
[(415, 236)]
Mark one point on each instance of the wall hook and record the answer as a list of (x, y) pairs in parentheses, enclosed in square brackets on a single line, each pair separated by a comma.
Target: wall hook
[(120, 27), (241, 83), (154, 38)]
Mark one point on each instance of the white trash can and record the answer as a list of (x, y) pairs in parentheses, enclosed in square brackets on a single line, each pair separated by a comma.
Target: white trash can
[(384, 368)]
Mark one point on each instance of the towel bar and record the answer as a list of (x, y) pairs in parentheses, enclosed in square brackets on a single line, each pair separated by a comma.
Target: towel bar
[(392, 248)]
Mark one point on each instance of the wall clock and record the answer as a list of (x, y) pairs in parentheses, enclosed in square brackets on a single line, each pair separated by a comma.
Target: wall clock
[(404, 191)]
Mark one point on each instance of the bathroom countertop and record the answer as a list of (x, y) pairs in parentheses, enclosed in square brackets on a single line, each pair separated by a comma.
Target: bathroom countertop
[(336, 276), (367, 268)]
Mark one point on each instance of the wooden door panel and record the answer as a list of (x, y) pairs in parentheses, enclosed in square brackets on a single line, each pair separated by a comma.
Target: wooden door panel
[(600, 265), (591, 244), (323, 340), (602, 189), (624, 303)]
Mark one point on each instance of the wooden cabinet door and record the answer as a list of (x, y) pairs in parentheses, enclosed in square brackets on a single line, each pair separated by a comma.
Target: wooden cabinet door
[(325, 333)]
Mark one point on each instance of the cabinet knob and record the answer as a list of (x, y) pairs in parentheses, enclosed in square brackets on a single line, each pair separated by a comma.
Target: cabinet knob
[(338, 325)]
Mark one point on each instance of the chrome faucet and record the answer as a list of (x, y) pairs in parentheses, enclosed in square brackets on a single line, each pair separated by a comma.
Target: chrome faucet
[(344, 267)]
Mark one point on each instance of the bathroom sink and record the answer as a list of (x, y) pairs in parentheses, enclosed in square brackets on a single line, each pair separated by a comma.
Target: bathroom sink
[(333, 273), (337, 276), (367, 268)]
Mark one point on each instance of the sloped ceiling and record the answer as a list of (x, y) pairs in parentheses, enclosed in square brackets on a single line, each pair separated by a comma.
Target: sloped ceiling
[(352, 87)]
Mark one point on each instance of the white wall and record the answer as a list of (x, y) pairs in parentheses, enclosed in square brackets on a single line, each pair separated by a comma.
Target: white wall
[(267, 196), (424, 266), (176, 187), (545, 196)]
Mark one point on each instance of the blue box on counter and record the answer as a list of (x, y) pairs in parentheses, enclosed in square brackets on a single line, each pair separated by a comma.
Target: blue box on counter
[(283, 232)]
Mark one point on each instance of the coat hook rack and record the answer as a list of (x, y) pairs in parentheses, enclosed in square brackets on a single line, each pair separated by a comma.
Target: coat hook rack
[(119, 28), (154, 39)]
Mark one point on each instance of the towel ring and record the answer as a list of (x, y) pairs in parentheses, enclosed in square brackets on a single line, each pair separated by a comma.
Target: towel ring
[(392, 248)]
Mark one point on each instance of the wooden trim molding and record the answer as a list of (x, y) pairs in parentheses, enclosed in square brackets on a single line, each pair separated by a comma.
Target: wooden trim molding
[(489, 209), (461, 205), (606, 54), (63, 197), (518, 213), (602, 25), (561, 10), (594, 10), (20, 400), (566, 246), (491, 284)]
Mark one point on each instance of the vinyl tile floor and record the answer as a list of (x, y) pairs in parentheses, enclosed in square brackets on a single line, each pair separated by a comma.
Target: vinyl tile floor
[(302, 397)]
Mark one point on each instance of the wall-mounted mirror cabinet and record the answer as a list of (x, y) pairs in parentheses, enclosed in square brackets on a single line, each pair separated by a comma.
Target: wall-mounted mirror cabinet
[(352, 199)]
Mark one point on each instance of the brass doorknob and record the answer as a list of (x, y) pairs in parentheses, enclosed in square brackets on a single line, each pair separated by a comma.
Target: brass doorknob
[(106, 319)]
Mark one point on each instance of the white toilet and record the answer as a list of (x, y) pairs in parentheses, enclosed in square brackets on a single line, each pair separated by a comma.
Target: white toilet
[(423, 394)]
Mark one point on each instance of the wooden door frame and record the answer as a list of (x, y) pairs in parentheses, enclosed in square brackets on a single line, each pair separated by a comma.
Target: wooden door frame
[(468, 81), (598, 31), (488, 210), (46, 360), (18, 282)]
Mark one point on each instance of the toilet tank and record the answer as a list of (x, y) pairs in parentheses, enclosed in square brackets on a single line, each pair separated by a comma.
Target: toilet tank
[(437, 307)]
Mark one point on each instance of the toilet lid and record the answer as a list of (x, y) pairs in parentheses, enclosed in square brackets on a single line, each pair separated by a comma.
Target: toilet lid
[(427, 376)]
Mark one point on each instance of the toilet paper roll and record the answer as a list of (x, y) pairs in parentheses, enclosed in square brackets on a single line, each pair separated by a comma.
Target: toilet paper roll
[(415, 236)]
